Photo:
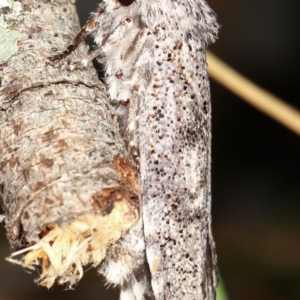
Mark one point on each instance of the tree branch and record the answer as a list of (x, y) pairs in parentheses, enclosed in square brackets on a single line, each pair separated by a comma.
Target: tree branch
[(64, 171)]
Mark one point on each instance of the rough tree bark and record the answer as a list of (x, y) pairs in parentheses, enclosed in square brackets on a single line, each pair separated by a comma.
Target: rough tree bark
[(62, 160)]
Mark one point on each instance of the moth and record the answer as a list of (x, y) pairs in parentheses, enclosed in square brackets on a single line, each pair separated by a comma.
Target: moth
[(156, 75)]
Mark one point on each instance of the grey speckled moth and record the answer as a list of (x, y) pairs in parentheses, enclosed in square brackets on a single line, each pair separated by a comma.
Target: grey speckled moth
[(156, 73)]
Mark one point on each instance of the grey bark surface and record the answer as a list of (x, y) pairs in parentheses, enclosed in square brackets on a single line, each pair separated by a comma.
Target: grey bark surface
[(59, 137)]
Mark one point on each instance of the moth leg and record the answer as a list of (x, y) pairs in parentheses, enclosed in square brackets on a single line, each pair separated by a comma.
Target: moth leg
[(83, 63), (97, 52), (87, 29), (125, 265), (138, 285)]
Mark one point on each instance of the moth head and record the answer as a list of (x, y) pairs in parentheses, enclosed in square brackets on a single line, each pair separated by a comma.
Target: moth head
[(125, 2), (185, 15), (112, 5)]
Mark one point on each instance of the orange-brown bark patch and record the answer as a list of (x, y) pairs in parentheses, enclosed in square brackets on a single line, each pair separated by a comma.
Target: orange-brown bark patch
[(39, 185), (49, 136), (49, 201), (17, 124), (127, 190), (126, 173), (13, 161), (48, 163), (62, 145)]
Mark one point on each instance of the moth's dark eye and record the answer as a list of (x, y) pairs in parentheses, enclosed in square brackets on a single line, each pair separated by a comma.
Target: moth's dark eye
[(126, 2)]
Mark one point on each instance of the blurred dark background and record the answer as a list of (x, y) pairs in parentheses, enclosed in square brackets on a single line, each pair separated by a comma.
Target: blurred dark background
[(256, 164)]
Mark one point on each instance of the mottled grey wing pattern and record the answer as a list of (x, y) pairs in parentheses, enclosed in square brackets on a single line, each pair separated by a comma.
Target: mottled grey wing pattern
[(175, 143)]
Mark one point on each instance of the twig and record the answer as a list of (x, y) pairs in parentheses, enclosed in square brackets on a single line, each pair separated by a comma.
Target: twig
[(253, 94)]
